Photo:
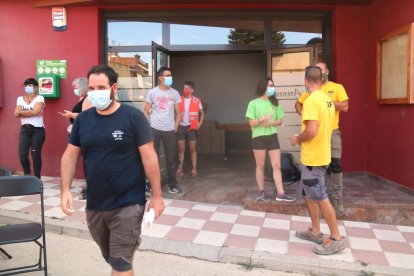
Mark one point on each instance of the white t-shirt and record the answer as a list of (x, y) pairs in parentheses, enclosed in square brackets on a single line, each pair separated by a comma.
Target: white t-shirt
[(163, 105), (36, 121), (185, 120)]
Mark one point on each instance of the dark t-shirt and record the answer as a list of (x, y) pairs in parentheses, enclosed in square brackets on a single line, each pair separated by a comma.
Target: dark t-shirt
[(114, 171)]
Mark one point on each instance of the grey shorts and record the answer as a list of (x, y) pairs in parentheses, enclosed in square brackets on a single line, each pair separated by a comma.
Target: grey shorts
[(117, 233), (312, 182), (184, 133), (336, 144)]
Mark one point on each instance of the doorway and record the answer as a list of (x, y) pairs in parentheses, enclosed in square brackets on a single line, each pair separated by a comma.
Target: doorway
[(225, 54)]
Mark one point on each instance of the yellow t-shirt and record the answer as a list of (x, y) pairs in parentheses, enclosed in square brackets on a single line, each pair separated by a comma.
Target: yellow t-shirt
[(317, 151), (337, 93)]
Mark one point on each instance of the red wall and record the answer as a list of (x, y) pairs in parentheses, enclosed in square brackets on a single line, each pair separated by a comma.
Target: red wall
[(390, 141), (350, 64), (26, 35)]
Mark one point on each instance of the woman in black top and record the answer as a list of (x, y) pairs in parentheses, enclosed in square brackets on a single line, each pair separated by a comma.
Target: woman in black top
[(80, 88)]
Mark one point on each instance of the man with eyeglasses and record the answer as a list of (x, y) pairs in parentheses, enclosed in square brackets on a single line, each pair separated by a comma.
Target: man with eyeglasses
[(315, 140), (162, 109), (340, 99)]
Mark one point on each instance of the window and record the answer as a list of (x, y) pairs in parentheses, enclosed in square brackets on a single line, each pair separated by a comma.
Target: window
[(127, 33), (236, 32)]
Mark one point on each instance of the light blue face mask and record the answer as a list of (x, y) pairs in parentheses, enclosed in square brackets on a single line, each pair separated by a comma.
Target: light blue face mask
[(270, 91), (100, 99), (29, 89), (168, 81), (76, 91)]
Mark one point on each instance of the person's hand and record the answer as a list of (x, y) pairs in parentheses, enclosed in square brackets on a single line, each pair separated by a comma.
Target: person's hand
[(67, 114), (266, 124), (157, 204), (265, 118), (294, 140), (198, 126), (16, 112), (66, 202)]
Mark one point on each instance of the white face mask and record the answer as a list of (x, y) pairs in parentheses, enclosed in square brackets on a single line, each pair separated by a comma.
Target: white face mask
[(100, 99), (76, 91)]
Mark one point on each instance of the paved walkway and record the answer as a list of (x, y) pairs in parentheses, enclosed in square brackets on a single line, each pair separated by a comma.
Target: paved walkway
[(232, 234)]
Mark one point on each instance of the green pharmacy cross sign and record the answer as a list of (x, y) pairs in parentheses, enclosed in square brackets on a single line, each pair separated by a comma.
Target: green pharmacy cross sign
[(55, 67)]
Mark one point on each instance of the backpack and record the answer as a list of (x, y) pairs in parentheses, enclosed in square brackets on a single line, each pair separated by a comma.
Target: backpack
[(289, 169)]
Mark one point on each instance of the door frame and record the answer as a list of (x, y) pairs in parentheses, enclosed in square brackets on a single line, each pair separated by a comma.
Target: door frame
[(155, 48)]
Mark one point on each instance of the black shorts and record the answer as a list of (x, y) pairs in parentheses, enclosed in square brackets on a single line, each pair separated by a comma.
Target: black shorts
[(184, 133), (269, 142)]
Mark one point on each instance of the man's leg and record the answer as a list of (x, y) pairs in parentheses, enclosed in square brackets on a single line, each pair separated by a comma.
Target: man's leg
[(313, 187), (191, 136), (181, 152), (96, 221), (170, 150), (313, 209), (336, 173), (328, 213), (125, 231)]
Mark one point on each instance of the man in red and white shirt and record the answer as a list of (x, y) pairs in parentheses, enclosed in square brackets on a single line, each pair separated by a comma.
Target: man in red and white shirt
[(192, 116)]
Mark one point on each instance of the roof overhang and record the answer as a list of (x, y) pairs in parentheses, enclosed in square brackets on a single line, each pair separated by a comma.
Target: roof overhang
[(50, 3)]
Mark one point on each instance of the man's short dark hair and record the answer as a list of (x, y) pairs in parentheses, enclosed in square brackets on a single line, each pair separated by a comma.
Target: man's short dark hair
[(162, 70), (190, 84), (31, 81), (313, 74), (106, 70)]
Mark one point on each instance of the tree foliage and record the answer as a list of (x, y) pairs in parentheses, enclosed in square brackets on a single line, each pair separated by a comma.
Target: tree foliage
[(250, 37)]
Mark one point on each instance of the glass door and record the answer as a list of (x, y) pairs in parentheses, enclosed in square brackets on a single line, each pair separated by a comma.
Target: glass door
[(286, 67), (160, 58)]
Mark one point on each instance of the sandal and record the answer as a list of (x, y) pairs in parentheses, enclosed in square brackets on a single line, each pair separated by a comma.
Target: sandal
[(179, 172), (194, 173)]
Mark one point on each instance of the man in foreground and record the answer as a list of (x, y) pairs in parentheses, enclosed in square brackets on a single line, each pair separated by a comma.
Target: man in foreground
[(118, 153)]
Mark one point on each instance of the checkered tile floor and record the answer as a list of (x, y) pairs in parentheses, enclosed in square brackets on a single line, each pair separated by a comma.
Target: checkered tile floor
[(218, 225)]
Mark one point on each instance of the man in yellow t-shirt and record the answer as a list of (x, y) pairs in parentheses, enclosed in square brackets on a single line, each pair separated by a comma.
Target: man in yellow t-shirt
[(315, 140), (340, 99)]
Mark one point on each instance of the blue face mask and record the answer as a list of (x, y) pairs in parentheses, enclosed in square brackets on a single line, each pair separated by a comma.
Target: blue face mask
[(168, 81), (270, 91), (100, 99), (76, 91), (29, 89)]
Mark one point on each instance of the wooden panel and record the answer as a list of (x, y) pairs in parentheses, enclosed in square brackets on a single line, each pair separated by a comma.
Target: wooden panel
[(290, 61)]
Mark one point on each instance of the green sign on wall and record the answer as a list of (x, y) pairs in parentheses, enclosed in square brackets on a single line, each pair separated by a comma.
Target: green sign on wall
[(55, 67)]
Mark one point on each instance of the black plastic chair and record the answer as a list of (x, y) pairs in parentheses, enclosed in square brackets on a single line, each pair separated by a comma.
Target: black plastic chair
[(24, 232)]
